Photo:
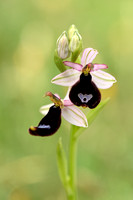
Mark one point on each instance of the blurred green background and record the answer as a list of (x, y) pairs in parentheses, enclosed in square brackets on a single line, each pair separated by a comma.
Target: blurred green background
[(28, 33)]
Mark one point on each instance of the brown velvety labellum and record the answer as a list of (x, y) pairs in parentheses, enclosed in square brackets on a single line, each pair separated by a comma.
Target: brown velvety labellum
[(49, 124), (84, 92)]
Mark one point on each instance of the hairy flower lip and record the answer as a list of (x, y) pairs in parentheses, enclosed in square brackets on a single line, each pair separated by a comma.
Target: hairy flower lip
[(49, 124)]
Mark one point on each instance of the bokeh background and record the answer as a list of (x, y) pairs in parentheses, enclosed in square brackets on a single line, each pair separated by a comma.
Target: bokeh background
[(28, 33)]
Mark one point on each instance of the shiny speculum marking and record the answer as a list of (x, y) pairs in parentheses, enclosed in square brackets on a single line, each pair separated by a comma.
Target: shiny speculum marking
[(85, 97), (44, 126)]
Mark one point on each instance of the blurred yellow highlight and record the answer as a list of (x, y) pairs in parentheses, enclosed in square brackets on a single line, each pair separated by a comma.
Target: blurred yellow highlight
[(31, 55)]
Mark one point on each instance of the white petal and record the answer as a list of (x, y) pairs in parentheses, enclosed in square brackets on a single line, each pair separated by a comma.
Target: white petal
[(44, 109), (88, 56), (84, 56), (75, 116), (73, 65), (102, 79), (91, 56), (67, 94), (57, 96), (66, 101), (67, 78)]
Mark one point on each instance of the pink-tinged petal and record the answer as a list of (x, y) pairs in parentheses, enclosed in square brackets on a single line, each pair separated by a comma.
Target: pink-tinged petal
[(67, 94), (99, 66), (67, 78), (75, 116), (84, 56), (44, 109), (67, 102), (73, 65), (57, 96), (103, 80), (91, 56)]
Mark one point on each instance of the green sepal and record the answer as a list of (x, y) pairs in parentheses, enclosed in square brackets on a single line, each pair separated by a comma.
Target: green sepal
[(75, 46), (59, 62), (75, 54), (71, 31)]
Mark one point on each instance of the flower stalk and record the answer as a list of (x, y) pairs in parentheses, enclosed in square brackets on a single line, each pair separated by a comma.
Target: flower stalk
[(72, 163)]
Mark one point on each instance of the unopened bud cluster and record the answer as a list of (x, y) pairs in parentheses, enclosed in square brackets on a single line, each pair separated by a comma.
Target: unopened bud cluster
[(68, 43)]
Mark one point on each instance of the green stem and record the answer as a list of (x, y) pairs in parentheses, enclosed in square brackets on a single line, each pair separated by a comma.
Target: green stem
[(72, 164)]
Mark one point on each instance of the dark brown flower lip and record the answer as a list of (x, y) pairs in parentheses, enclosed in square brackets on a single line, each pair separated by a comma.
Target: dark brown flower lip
[(85, 93), (48, 124)]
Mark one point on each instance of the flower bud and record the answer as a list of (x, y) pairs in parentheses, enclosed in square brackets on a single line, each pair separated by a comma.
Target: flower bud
[(75, 42), (75, 46), (71, 31), (63, 46)]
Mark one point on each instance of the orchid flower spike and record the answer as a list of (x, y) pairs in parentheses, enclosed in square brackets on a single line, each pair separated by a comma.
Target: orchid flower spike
[(51, 121), (103, 80)]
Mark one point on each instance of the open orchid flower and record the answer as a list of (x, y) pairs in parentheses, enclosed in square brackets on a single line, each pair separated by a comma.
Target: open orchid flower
[(102, 79), (52, 119), (85, 79), (69, 111)]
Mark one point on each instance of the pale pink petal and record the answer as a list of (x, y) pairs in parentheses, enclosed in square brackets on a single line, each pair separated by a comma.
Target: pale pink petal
[(103, 80), (75, 116), (67, 78), (84, 56), (91, 56), (67, 94), (67, 102), (57, 96), (73, 65), (44, 109), (99, 66)]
